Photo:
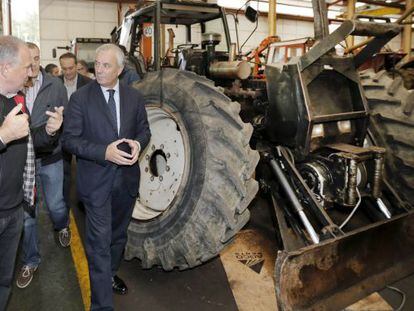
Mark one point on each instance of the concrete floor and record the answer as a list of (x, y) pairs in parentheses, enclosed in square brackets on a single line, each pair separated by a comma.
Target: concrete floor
[(55, 285)]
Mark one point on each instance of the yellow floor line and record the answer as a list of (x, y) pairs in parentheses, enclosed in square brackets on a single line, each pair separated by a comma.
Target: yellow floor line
[(81, 263)]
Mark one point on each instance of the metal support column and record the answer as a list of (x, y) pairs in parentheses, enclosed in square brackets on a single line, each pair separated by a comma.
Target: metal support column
[(350, 13), (406, 42), (157, 30), (162, 47), (272, 18), (6, 11), (321, 22)]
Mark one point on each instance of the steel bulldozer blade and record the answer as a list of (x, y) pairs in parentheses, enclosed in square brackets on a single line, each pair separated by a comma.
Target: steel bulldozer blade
[(340, 271)]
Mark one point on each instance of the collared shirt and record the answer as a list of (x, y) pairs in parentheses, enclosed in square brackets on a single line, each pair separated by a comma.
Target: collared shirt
[(31, 92), (117, 101), (11, 95), (70, 85)]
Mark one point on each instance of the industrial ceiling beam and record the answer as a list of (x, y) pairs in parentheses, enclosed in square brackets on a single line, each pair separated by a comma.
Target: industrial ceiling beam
[(401, 20), (380, 12), (408, 12), (384, 4)]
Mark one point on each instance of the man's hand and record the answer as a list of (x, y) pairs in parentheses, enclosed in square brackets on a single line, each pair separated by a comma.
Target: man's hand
[(135, 149), (117, 156), (55, 120), (15, 126)]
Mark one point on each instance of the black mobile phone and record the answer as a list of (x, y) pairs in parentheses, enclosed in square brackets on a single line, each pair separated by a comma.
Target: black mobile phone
[(124, 146), (50, 108)]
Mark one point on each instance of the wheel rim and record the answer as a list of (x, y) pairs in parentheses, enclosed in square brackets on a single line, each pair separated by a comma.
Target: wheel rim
[(162, 164)]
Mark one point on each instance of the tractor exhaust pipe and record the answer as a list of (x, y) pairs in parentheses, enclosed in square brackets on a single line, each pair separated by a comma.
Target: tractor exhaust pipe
[(230, 70)]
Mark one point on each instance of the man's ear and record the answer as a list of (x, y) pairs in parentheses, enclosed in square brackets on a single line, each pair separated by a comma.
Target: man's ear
[(120, 70), (4, 69)]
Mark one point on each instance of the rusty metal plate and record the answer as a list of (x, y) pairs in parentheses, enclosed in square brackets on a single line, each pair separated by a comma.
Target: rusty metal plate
[(340, 271)]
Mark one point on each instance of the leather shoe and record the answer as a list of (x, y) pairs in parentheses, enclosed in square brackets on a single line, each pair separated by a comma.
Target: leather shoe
[(118, 286)]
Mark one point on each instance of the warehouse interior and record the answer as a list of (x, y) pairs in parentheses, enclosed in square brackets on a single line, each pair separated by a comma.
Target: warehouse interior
[(279, 173)]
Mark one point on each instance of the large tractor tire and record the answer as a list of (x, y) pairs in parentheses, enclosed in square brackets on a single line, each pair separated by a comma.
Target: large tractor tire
[(392, 125), (196, 173)]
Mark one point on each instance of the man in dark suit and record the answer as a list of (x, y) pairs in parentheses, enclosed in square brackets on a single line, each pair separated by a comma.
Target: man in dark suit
[(104, 117), (72, 81), (70, 77)]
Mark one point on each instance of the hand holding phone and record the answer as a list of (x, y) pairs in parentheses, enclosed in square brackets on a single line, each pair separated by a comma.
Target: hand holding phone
[(124, 146)]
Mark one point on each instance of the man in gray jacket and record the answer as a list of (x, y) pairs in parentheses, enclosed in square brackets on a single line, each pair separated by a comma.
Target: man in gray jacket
[(44, 93)]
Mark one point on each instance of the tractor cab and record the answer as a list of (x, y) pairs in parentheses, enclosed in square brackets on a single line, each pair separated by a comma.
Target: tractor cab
[(197, 34)]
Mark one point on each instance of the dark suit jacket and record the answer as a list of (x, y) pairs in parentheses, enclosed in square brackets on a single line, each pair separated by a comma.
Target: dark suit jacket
[(89, 129), (51, 94), (82, 80)]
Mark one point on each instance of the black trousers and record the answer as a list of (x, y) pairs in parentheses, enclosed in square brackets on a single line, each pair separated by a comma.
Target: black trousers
[(10, 231), (106, 236)]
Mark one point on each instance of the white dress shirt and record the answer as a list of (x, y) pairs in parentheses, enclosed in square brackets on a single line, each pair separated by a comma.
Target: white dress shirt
[(31, 92), (70, 85)]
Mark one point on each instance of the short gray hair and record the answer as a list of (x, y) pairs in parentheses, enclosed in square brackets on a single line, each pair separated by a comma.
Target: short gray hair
[(120, 57), (9, 49), (32, 45)]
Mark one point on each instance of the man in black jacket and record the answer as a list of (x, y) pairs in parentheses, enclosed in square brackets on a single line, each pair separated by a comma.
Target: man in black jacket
[(44, 93), (72, 81), (15, 66)]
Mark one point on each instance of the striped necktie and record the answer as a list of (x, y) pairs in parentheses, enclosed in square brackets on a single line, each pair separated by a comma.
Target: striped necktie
[(112, 106)]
